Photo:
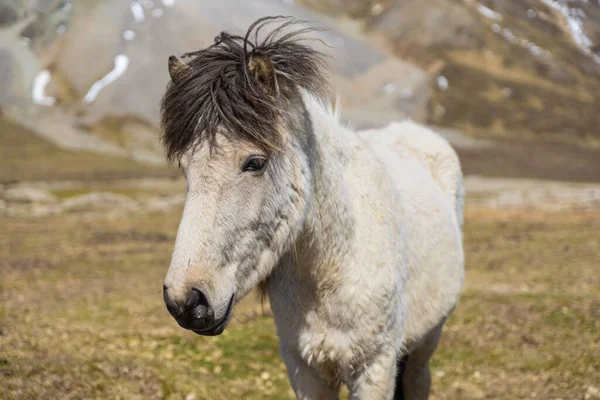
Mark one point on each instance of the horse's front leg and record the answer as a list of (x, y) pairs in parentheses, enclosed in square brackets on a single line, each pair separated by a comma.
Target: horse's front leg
[(376, 380), (306, 381)]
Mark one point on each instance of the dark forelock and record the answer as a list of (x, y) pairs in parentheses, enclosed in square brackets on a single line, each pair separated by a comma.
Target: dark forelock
[(218, 90)]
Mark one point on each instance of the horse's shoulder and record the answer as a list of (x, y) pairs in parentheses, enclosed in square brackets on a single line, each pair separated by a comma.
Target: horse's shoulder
[(410, 140), (409, 150)]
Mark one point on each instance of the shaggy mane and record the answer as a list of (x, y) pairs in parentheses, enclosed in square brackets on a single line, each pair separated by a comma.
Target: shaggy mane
[(219, 90)]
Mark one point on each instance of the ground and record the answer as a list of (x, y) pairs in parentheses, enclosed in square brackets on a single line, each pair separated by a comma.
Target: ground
[(83, 317)]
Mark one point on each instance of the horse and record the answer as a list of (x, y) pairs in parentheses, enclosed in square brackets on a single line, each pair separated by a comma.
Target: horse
[(355, 237)]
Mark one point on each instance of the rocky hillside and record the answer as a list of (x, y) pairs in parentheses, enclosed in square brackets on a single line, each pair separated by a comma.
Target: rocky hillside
[(517, 69), (90, 75), (522, 74)]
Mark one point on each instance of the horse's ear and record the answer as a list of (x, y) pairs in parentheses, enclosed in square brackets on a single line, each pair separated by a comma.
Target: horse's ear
[(263, 71), (176, 67)]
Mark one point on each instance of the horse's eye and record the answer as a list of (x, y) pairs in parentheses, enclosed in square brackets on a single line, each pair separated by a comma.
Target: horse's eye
[(254, 163)]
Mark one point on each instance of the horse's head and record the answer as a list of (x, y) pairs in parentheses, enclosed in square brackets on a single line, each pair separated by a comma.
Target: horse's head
[(234, 119)]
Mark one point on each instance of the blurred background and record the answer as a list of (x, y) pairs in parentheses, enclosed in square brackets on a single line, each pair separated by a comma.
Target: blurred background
[(89, 207)]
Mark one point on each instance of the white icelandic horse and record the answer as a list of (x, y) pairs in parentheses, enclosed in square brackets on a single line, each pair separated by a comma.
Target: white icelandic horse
[(355, 236)]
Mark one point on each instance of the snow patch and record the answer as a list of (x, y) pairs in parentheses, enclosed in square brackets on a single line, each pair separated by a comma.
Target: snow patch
[(489, 13), (138, 11), (510, 37), (389, 88), (574, 19), (377, 9), (121, 64), (407, 93), (148, 4), (42, 79), (442, 82), (129, 35)]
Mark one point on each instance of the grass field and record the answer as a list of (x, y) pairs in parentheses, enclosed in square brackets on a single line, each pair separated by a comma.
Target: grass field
[(82, 315), (26, 157)]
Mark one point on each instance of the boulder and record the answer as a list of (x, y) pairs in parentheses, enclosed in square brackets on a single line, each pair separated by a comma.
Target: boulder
[(99, 201), (28, 195)]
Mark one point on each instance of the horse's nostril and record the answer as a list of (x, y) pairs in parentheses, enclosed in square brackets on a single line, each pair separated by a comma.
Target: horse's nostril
[(191, 312), (194, 299), (199, 307)]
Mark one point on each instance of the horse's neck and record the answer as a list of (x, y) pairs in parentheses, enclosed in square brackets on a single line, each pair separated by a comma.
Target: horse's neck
[(319, 252)]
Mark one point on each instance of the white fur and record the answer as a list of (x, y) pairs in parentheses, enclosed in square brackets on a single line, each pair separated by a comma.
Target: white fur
[(365, 264), (395, 281)]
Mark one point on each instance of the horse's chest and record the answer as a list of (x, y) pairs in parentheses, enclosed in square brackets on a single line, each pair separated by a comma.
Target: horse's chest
[(324, 344)]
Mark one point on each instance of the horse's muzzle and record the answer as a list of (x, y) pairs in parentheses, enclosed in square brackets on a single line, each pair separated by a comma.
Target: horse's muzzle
[(197, 314)]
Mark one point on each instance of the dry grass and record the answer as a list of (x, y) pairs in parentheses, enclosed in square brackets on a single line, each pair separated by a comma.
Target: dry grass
[(528, 323), (26, 157), (82, 315)]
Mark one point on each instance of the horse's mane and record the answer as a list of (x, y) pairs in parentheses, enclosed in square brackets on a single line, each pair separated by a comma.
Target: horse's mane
[(218, 89)]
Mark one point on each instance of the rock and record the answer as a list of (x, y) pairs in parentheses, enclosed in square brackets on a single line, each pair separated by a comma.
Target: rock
[(592, 392), (42, 210), (165, 203), (265, 376), (28, 195), (148, 157), (519, 193), (99, 201)]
